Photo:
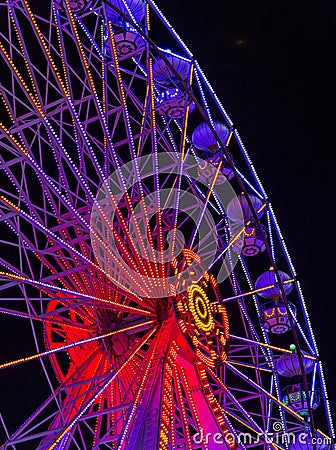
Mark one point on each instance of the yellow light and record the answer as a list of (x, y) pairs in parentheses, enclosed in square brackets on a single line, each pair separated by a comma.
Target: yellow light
[(196, 297)]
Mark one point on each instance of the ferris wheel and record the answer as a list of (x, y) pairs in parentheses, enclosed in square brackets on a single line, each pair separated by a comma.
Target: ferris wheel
[(139, 246)]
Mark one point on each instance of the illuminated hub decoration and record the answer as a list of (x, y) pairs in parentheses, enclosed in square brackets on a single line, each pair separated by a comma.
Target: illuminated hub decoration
[(171, 100), (253, 234), (203, 317), (126, 40), (199, 306), (76, 6), (275, 318), (296, 398)]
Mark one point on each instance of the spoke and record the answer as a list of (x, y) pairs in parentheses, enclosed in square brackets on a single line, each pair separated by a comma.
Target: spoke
[(142, 325), (260, 389), (45, 319), (66, 293), (272, 347), (249, 366), (143, 341), (252, 424), (101, 385)]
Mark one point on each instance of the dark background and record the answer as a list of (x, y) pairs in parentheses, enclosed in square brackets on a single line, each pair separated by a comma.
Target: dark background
[(272, 64)]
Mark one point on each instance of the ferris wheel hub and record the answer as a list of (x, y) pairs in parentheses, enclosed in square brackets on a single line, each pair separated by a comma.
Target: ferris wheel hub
[(108, 322), (163, 309)]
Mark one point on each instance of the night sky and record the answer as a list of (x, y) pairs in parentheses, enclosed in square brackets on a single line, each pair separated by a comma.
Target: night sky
[(272, 65)]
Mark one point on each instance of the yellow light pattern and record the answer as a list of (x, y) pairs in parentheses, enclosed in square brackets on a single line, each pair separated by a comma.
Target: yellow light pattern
[(199, 306)]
